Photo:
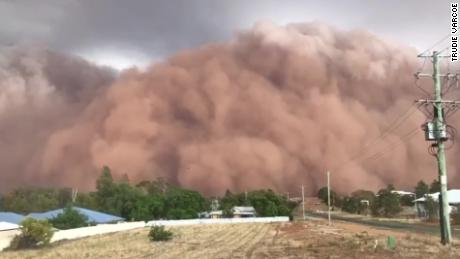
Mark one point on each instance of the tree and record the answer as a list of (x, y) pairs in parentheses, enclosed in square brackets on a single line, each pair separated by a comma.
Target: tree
[(157, 186), (34, 233), (265, 202), (105, 188), (322, 195), (363, 195), (350, 204), (25, 200), (431, 208), (386, 203), (69, 218), (106, 191), (184, 204), (229, 201), (268, 203), (421, 189), (87, 200), (149, 207), (435, 186), (64, 196), (407, 200), (125, 197)]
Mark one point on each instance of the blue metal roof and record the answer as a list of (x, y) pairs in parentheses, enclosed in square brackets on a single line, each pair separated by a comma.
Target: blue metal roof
[(93, 216), (11, 217)]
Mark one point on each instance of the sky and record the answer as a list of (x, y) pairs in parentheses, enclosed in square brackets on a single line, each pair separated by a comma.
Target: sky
[(124, 33)]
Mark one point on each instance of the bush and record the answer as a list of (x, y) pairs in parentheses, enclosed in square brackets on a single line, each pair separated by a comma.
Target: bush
[(158, 233), (322, 195), (386, 204), (34, 233), (350, 204), (432, 209), (69, 218)]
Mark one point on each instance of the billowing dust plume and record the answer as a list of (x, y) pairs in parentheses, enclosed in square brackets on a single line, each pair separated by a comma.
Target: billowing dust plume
[(275, 108)]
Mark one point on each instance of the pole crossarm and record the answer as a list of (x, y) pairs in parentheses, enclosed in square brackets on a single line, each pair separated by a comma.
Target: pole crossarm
[(450, 75), (427, 101), (430, 56)]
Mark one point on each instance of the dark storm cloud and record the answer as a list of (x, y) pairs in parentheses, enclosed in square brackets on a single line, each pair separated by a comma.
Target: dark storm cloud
[(159, 28)]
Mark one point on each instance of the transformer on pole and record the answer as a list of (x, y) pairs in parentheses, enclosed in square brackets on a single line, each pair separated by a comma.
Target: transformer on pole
[(436, 132)]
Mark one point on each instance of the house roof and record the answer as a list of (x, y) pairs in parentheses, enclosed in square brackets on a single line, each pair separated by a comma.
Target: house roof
[(93, 216), (243, 210), (7, 226), (402, 192), (11, 217), (452, 195)]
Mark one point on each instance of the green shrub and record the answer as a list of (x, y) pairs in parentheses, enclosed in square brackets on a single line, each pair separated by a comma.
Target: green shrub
[(34, 233), (158, 233), (432, 209), (386, 203), (69, 218)]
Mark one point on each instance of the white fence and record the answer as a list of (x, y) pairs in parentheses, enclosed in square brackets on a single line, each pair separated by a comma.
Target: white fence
[(95, 230)]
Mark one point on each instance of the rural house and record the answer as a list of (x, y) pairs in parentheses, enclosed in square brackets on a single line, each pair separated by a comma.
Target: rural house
[(243, 212), (452, 195)]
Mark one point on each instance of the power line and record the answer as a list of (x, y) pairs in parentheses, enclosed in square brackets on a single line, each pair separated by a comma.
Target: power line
[(434, 45), (403, 140), (383, 152), (396, 123)]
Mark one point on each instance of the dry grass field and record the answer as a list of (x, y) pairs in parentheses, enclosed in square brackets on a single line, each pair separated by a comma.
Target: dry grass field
[(311, 239)]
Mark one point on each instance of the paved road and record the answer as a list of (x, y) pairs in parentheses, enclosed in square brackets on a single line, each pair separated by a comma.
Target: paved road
[(388, 224)]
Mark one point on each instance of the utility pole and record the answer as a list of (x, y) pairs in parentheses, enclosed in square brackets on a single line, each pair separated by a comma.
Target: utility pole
[(436, 131), (439, 126), (303, 203), (328, 198)]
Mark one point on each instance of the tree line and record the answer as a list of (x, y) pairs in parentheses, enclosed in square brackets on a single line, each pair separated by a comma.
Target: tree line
[(383, 203), (146, 200)]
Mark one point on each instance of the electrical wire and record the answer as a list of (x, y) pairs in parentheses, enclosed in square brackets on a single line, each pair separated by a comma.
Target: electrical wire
[(434, 45), (363, 156), (382, 153), (403, 140), (393, 126)]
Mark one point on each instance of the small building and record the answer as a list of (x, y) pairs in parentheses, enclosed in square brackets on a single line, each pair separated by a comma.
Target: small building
[(94, 217), (403, 193), (216, 214), (243, 212), (11, 217), (453, 197)]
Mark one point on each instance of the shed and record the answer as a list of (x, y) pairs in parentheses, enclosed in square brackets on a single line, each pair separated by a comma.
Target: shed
[(243, 212), (216, 214)]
